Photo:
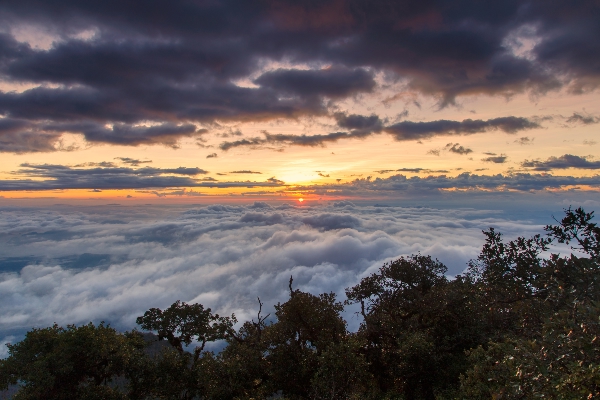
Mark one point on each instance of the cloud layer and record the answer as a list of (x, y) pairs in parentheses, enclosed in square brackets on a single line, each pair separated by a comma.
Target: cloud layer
[(73, 265), (106, 175), (48, 177), (364, 126), (562, 162), (105, 71)]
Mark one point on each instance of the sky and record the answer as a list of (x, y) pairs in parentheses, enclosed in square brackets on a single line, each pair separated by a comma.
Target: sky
[(313, 99), (206, 150)]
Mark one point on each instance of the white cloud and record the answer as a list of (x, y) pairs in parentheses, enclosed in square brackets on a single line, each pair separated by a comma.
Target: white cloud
[(114, 263)]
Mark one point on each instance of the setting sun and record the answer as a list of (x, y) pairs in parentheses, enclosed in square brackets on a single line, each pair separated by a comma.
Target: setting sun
[(300, 199)]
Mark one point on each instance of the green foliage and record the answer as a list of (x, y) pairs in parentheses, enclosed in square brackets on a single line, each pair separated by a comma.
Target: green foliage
[(182, 323), (76, 362), (548, 346), (306, 326), (520, 323), (576, 226), (563, 363), (342, 373)]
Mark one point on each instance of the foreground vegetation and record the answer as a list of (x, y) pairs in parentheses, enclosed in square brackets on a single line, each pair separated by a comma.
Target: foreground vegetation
[(520, 323)]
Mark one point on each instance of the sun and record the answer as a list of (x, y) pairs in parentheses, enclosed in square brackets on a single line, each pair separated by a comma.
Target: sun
[(300, 199)]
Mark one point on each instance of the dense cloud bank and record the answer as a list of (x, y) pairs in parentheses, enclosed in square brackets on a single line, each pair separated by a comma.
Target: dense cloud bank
[(362, 126), (435, 184), (106, 68), (562, 162), (106, 175), (73, 265)]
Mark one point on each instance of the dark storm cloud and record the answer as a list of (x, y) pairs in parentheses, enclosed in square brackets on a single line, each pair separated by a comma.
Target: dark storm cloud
[(17, 136), (330, 82), (409, 130), (10, 125), (396, 184), (362, 127), (44, 136), (127, 135), (28, 142), (47, 176), (359, 123), (176, 61), (566, 48), (202, 102), (294, 140), (562, 162)]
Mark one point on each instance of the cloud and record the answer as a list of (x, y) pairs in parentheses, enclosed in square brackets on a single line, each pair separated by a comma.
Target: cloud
[(409, 130), (418, 187), (334, 82), (184, 64), (331, 221), (114, 263), (199, 104), (125, 134), (49, 177), (131, 161), (19, 136), (292, 140), (457, 149), (523, 141), (362, 127), (212, 155), (342, 204), (562, 162), (260, 205), (359, 123), (412, 170), (501, 159), (245, 171), (583, 119)]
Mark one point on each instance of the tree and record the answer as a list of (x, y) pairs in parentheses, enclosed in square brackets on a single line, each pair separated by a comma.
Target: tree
[(179, 374), (306, 326), (76, 362), (183, 323), (417, 325), (550, 349)]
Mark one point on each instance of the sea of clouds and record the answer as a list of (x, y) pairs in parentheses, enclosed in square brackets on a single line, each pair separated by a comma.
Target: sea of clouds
[(72, 265)]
